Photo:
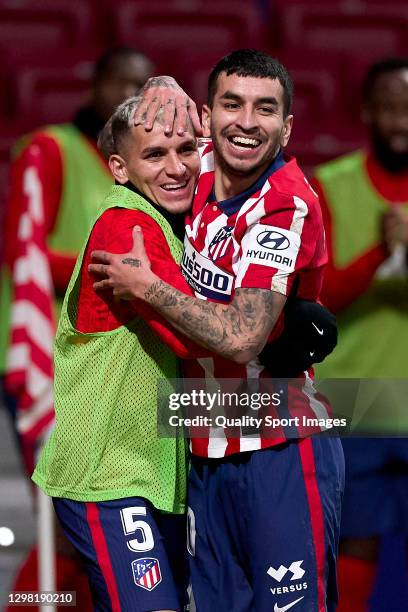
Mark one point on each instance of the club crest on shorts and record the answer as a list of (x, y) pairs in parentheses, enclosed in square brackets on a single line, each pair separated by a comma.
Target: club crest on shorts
[(146, 573), (220, 243)]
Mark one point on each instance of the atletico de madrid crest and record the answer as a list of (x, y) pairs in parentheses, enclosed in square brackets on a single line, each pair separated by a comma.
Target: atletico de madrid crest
[(220, 243), (146, 573)]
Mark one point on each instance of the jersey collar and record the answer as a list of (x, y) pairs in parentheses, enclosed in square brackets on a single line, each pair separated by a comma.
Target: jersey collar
[(232, 205), (176, 221)]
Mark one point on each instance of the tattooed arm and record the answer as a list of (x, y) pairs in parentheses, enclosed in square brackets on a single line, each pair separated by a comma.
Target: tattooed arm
[(237, 331), (179, 109)]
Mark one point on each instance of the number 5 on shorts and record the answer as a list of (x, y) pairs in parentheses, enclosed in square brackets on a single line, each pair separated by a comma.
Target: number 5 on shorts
[(145, 539)]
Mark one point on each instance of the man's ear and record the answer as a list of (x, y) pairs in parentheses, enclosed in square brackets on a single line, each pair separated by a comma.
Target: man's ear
[(206, 121), (287, 130), (118, 168)]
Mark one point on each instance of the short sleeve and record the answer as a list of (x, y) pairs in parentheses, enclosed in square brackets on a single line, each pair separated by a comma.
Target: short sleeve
[(277, 245)]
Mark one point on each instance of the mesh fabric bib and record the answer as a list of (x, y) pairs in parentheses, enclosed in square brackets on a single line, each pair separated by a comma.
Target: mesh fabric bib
[(373, 330), (105, 443)]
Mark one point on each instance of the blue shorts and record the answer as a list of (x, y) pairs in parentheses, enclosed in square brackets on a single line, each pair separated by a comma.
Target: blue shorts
[(264, 528), (134, 555), (376, 493)]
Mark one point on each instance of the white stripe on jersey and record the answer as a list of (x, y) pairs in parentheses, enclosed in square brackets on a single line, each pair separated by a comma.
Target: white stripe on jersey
[(279, 280), (309, 390), (250, 443), (217, 442), (252, 216), (299, 216), (207, 159)]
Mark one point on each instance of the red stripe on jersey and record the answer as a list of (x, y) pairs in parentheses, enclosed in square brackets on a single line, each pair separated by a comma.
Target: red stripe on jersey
[(102, 553), (316, 515), (233, 446)]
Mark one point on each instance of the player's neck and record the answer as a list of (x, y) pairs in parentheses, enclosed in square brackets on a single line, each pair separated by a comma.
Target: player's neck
[(228, 185)]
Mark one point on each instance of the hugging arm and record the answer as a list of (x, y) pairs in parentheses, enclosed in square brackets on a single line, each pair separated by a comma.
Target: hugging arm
[(237, 331)]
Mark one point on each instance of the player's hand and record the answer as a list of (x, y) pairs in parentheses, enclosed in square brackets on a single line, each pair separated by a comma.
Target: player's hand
[(395, 227), (164, 91), (127, 275)]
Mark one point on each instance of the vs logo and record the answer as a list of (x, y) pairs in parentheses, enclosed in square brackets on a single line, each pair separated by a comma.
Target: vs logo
[(294, 568), (220, 243), (273, 240)]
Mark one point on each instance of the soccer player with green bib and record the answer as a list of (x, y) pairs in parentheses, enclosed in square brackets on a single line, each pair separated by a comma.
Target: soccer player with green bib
[(119, 490)]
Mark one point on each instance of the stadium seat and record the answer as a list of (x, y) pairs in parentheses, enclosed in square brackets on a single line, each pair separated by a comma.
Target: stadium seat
[(170, 33), (195, 78), (45, 24), (350, 28), (51, 94), (323, 140)]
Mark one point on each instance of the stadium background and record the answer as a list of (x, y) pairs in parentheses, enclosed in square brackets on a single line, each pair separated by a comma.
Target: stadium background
[(48, 48)]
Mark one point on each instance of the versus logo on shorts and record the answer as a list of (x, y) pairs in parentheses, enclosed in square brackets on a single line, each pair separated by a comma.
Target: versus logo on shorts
[(146, 573), (294, 568), (271, 246), (204, 276), (292, 573)]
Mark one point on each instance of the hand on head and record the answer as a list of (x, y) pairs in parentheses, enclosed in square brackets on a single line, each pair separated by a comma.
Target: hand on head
[(179, 109)]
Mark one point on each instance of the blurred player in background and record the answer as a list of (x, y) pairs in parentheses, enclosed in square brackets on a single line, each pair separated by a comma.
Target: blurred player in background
[(264, 512), (58, 179), (364, 198)]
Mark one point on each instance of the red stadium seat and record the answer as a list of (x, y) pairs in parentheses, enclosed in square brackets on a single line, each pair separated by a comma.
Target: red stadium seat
[(170, 33), (323, 140), (45, 24), (352, 28), (51, 94), (195, 78), (24, 73), (318, 88)]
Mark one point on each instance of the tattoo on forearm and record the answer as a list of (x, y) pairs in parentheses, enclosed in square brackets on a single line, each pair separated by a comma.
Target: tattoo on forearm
[(135, 263), (225, 329)]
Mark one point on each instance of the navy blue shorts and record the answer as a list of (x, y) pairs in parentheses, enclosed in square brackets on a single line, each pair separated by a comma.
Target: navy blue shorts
[(134, 555), (264, 528), (376, 493)]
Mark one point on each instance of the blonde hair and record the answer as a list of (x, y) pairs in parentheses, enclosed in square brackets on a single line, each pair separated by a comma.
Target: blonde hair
[(118, 125)]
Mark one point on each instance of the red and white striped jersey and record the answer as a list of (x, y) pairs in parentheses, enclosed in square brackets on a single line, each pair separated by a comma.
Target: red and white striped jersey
[(265, 237)]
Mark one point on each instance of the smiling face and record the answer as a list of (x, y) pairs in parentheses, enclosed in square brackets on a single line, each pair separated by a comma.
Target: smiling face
[(386, 114), (247, 124), (164, 168)]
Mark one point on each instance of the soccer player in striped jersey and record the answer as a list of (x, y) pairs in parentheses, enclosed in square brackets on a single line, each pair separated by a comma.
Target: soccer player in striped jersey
[(264, 511)]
